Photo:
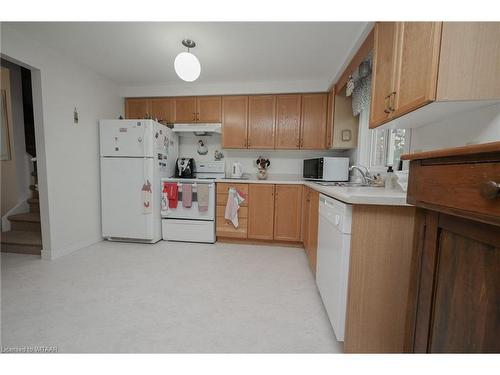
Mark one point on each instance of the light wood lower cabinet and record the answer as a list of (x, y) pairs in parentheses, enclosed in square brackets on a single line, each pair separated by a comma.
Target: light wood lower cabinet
[(270, 213), (225, 228), (379, 278), (261, 211), (287, 212), (310, 209)]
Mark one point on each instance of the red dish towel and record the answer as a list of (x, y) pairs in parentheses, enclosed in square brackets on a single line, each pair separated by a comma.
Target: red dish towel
[(172, 193), (187, 195)]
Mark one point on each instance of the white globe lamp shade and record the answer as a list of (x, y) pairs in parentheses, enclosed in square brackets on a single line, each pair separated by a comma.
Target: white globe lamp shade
[(187, 66)]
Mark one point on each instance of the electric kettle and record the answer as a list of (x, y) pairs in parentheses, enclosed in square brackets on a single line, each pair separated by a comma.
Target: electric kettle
[(237, 170)]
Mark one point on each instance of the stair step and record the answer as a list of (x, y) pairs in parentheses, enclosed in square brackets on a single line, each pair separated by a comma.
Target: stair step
[(29, 217), (33, 201), (21, 238), (21, 242), (25, 222)]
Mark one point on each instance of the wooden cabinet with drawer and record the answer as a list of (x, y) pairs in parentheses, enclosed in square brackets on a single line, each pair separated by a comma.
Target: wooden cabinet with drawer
[(224, 228), (455, 287), (270, 213)]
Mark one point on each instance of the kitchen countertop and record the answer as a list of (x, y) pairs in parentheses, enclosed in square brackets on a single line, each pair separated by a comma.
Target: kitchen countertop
[(352, 195)]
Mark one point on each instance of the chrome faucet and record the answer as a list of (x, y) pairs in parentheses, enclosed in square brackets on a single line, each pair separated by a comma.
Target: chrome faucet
[(364, 172)]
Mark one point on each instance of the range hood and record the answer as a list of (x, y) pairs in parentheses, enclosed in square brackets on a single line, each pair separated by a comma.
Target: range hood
[(197, 129)]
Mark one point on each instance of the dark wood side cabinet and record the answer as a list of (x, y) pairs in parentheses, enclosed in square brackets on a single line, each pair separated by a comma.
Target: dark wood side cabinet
[(454, 300)]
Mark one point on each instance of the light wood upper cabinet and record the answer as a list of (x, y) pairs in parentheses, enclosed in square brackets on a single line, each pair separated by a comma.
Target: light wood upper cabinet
[(234, 121), (137, 108), (261, 121), (384, 70), (162, 109), (417, 65), (288, 212), (185, 109), (313, 121), (261, 211), (288, 121), (208, 109), (472, 47)]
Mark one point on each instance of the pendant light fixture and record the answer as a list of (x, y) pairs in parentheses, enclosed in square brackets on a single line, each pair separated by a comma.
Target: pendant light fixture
[(187, 65)]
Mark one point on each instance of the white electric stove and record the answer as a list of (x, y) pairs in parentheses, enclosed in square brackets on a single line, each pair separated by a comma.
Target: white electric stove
[(189, 224)]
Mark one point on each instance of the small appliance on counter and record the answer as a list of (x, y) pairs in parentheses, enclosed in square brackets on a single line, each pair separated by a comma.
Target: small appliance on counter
[(185, 168), (236, 170), (326, 169)]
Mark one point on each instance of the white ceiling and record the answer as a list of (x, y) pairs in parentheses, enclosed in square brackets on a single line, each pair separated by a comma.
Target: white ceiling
[(142, 54)]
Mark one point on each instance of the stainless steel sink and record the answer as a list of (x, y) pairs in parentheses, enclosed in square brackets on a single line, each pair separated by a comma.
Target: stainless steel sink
[(345, 184)]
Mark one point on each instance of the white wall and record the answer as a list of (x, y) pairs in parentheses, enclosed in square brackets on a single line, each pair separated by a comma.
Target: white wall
[(478, 126), (232, 88), (282, 161), (68, 154)]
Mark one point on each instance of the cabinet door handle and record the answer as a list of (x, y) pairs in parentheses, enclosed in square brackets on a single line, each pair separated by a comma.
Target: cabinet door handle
[(489, 190), (391, 103), (194, 116), (386, 104)]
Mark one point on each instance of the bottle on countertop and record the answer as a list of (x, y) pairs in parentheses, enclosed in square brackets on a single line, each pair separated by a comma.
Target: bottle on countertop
[(390, 179)]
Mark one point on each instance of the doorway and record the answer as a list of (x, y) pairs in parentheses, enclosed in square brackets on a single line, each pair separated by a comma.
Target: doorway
[(20, 205)]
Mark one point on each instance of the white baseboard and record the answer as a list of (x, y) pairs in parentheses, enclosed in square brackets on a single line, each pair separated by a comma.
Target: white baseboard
[(20, 208), (57, 253)]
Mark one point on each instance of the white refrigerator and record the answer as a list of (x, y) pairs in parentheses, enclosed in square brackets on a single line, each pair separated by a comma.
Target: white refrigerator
[(135, 156)]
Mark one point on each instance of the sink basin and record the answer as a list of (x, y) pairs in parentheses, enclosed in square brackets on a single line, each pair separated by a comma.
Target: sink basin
[(345, 184)]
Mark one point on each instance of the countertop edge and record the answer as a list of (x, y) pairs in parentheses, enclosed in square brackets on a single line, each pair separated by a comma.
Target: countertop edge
[(327, 190)]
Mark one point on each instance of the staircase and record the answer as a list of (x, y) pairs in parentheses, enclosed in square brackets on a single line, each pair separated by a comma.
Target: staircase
[(25, 236)]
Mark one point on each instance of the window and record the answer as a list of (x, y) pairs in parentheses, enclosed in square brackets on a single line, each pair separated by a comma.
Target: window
[(386, 147)]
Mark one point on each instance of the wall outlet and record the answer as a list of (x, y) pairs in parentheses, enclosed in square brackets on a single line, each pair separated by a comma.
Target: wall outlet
[(75, 116)]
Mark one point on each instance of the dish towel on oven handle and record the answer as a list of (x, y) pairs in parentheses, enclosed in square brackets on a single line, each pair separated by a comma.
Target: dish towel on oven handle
[(234, 199), (187, 195), (203, 197), (170, 193)]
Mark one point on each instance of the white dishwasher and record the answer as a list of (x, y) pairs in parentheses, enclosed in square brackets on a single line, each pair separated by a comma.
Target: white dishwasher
[(332, 269)]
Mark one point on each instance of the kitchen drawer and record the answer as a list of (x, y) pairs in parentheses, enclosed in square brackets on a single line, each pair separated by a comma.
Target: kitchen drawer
[(242, 212), (226, 229), (223, 187), (222, 200), (454, 186)]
